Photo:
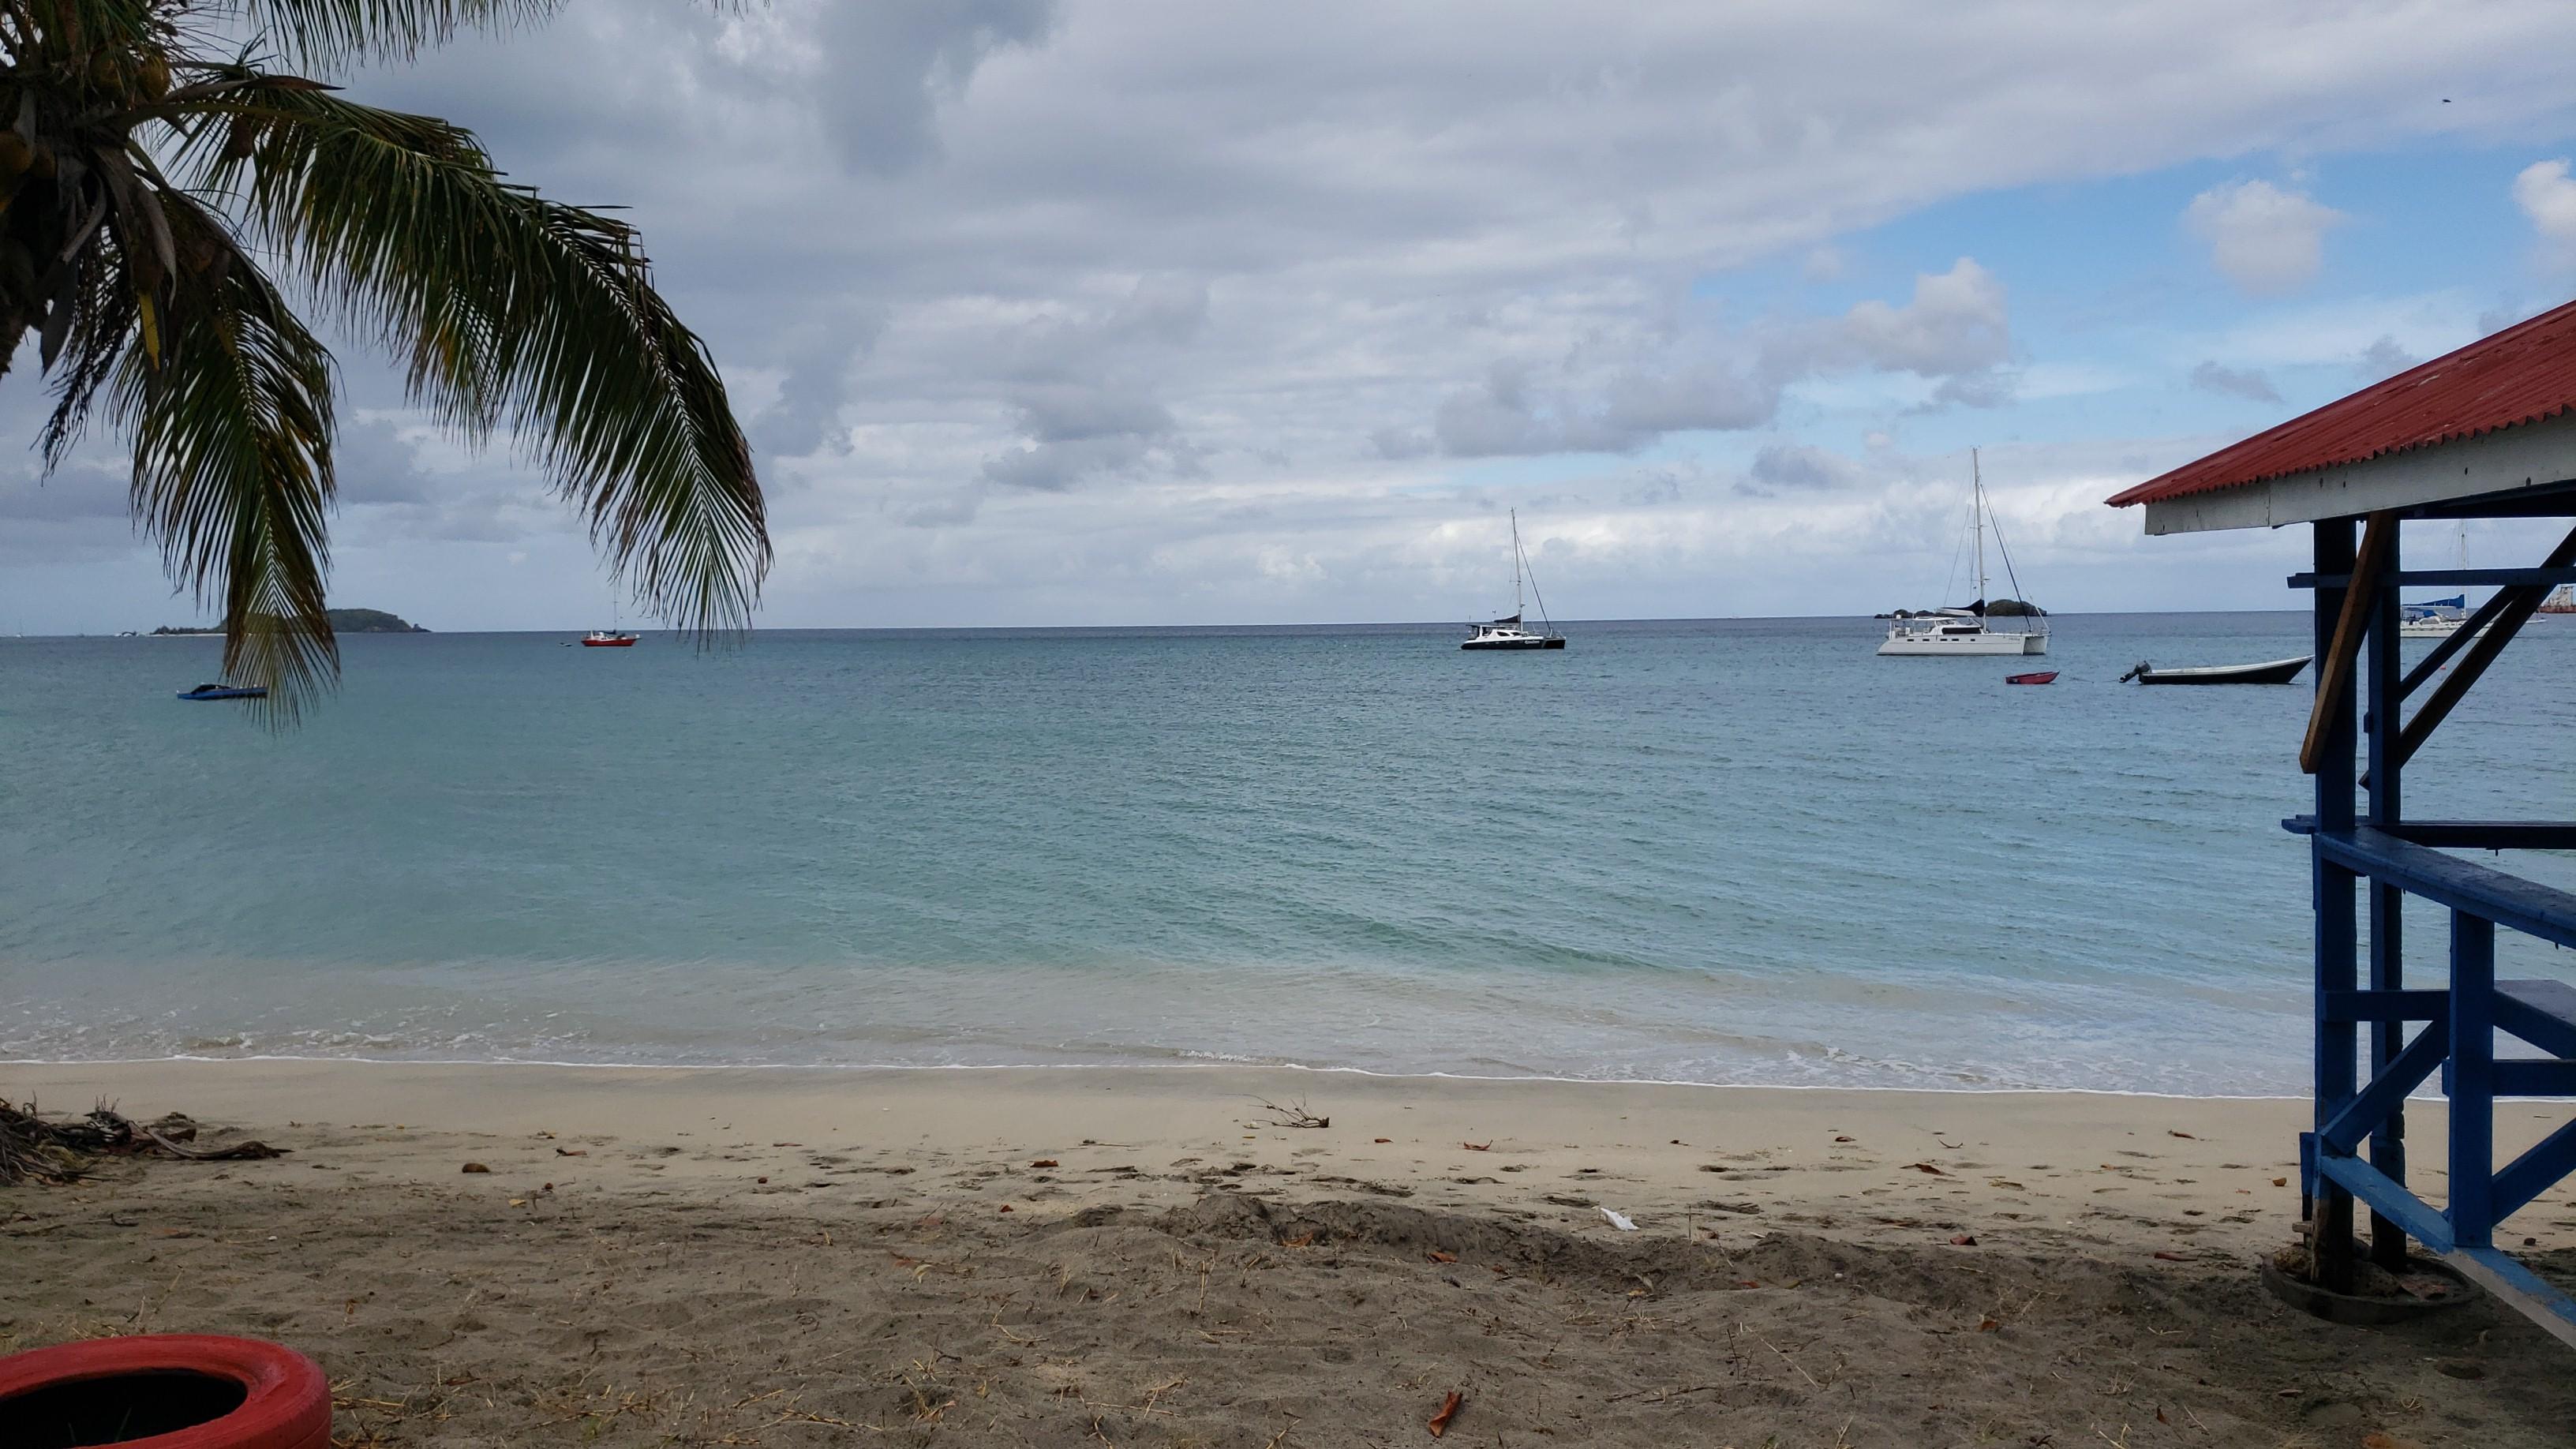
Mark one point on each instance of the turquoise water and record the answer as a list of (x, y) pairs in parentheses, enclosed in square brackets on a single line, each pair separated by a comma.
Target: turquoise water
[(1734, 851)]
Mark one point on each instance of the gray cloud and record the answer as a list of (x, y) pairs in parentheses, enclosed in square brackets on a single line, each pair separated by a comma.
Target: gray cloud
[(886, 67), (1955, 331), (2248, 383), (2382, 359), (1131, 271), (1799, 466)]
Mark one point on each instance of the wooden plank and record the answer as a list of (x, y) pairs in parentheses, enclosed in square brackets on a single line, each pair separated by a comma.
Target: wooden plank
[(2444, 578), (2372, 1186), (2335, 671), (2472, 1084), (2519, 1289), (2509, 900), (2386, 1092), (2400, 1006), (2515, 610), (2542, 1013), (2490, 834), (2536, 1171)]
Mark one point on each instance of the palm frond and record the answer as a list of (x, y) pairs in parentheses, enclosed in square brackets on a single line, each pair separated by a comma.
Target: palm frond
[(515, 313), (329, 32), (230, 417)]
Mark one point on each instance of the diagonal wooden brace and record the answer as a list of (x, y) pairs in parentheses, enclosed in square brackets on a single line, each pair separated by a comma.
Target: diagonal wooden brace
[(2509, 619), (2335, 671), (2387, 1092)]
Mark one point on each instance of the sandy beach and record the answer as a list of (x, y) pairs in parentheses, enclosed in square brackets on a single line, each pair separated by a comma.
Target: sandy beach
[(1152, 1257)]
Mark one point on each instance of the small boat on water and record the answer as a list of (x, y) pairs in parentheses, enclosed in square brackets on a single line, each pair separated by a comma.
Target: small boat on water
[(225, 691), (607, 639), (2044, 676), (1508, 631), (2274, 671)]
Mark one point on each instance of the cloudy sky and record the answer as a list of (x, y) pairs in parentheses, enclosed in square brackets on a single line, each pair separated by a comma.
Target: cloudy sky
[(1087, 312)]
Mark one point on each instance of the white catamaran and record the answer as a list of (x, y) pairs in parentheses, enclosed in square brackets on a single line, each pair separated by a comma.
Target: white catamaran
[(1966, 633), (1507, 632)]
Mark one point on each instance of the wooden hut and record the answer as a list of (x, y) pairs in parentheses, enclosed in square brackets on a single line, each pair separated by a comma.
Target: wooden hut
[(2488, 431)]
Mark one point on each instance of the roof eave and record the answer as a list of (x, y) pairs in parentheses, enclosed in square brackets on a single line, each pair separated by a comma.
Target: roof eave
[(2498, 464)]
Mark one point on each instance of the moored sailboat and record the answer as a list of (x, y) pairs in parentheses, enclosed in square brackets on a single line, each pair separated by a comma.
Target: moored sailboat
[(1509, 632), (1966, 631)]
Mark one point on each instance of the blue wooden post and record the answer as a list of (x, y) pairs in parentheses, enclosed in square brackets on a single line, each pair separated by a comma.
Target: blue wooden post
[(2387, 902), (2472, 1212), (2337, 950)]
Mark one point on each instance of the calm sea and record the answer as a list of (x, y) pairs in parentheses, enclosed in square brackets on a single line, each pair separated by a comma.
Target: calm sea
[(1729, 851)]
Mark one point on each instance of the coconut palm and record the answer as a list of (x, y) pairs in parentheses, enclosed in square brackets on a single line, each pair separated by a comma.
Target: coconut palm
[(154, 169)]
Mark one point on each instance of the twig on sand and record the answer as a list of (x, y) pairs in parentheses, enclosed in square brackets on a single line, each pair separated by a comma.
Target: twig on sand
[(1791, 1362), (1294, 1114)]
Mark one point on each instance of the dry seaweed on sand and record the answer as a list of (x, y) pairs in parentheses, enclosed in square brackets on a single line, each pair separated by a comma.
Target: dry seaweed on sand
[(36, 1147)]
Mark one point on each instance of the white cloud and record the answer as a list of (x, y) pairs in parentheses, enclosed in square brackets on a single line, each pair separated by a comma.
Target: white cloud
[(2262, 238), (2547, 195)]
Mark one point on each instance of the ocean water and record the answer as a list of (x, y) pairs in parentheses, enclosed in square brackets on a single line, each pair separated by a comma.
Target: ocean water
[(1720, 851)]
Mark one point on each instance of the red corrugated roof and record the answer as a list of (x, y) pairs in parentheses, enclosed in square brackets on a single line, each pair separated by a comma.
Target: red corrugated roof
[(2524, 374)]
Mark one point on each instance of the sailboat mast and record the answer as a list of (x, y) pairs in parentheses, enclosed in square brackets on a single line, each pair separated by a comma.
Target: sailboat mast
[(1977, 509), (1517, 609)]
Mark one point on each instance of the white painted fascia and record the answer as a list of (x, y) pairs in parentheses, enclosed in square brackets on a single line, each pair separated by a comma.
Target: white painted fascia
[(2532, 455)]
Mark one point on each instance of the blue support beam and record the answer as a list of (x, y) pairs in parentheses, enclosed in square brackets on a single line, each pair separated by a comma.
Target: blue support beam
[(2387, 915), (2386, 1094), (2472, 1212), (2368, 1183), (2328, 751), (2548, 578), (2388, 1006), (2536, 1171)]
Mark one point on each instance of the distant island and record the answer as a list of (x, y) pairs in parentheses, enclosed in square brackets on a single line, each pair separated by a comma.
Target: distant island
[(343, 621), (1994, 609)]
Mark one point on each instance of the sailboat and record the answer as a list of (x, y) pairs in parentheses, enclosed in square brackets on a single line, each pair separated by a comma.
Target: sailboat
[(1964, 631), (1508, 632), (611, 637)]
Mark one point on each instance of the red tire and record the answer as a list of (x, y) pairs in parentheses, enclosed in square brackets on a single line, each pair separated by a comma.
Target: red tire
[(190, 1391)]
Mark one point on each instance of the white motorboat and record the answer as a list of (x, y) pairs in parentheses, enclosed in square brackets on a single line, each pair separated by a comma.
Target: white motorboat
[(1509, 632), (1968, 632)]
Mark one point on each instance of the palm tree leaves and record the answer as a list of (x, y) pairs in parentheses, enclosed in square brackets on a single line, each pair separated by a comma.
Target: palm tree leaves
[(230, 419), (329, 32), (515, 313)]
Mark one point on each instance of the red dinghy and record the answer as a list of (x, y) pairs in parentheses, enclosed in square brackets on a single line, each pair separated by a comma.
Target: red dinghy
[(2048, 676)]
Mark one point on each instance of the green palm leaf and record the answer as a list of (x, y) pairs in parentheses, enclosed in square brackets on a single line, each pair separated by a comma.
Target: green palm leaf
[(227, 399), (328, 32), (515, 313)]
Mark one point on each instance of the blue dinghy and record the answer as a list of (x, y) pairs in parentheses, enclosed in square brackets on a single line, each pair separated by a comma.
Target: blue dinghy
[(225, 691)]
